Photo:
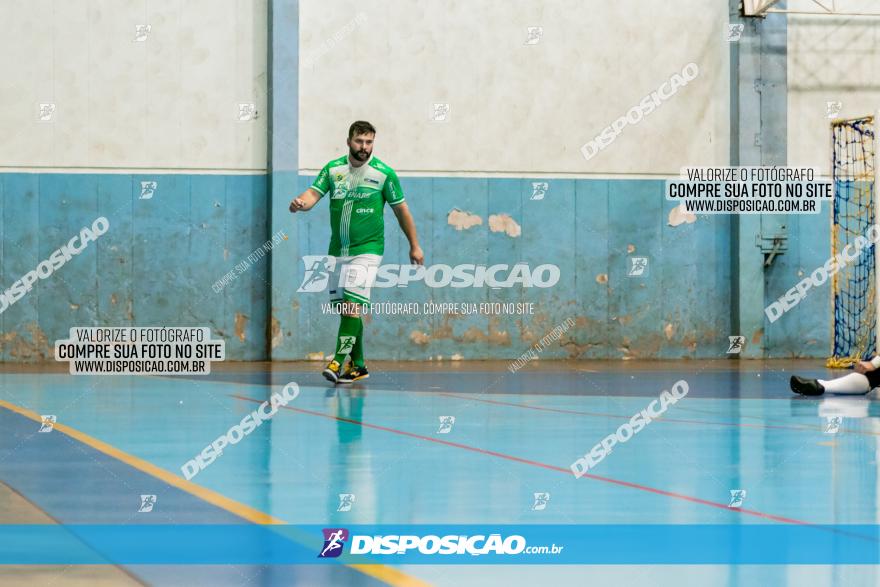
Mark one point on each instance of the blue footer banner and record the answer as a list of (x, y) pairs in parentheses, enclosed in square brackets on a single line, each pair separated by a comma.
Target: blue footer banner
[(440, 544)]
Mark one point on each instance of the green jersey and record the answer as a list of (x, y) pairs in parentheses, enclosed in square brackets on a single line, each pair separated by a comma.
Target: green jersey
[(357, 204)]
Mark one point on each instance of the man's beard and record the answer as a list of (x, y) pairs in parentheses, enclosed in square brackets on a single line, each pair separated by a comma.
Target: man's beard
[(358, 155)]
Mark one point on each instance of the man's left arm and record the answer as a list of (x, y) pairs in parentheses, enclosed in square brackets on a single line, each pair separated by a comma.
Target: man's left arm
[(393, 194), (408, 226)]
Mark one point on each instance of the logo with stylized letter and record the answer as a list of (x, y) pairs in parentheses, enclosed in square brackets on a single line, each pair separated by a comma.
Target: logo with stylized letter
[(832, 424), (47, 423), (247, 112), (737, 343), (346, 344), (334, 541), (539, 189), (439, 112), (346, 501), (637, 266), (47, 112), (318, 269), (735, 32), (541, 501), (737, 497), (534, 34), (832, 108), (147, 503), (446, 424), (148, 189)]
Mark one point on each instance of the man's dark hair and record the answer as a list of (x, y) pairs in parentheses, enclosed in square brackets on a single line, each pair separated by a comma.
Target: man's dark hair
[(360, 127)]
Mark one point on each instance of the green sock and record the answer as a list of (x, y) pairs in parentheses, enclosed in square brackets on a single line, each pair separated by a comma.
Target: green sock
[(348, 333), (357, 353)]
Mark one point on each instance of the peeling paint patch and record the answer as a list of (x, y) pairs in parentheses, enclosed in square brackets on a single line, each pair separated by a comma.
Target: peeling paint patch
[(418, 337), (74, 306), (757, 336), (21, 349), (113, 299), (575, 350), (473, 334), (669, 331), (277, 335), (678, 216), (497, 336), (456, 357), (504, 223), (445, 329), (462, 220), (602, 278), (315, 356), (630, 248), (240, 323)]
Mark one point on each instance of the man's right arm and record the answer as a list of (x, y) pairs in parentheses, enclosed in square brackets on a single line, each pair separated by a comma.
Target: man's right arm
[(316, 191), (305, 202)]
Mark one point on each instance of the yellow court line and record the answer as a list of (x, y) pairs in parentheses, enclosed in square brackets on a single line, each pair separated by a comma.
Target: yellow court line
[(386, 574)]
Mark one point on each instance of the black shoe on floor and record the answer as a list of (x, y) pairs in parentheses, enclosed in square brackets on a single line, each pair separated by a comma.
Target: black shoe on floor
[(354, 373), (332, 372), (805, 386)]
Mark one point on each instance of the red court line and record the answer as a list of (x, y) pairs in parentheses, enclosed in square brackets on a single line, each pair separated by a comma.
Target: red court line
[(539, 464), (604, 415)]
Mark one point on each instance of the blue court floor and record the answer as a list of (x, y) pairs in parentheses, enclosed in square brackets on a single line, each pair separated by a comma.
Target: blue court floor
[(390, 444)]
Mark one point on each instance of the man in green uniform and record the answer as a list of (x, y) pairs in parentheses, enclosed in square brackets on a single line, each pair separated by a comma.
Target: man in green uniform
[(358, 186)]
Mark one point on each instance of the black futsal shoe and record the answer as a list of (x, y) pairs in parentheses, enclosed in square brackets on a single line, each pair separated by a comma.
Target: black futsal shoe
[(806, 386), (354, 373), (332, 372)]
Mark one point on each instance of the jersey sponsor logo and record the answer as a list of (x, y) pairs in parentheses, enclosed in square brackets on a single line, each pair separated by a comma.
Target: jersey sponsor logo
[(365, 210), (371, 180)]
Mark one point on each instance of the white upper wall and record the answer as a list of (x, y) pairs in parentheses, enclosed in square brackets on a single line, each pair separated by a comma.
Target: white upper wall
[(514, 107), (170, 101), (830, 59)]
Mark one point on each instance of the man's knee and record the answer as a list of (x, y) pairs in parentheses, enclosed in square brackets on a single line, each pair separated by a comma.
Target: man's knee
[(351, 309)]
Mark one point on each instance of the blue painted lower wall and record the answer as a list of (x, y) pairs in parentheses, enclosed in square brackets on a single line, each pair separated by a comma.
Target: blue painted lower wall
[(155, 266), (805, 330), (589, 228), (160, 260)]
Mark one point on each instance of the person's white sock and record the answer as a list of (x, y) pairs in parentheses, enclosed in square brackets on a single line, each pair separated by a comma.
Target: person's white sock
[(852, 384)]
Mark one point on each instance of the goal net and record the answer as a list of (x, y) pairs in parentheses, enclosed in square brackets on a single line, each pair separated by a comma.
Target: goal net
[(854, 288)]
